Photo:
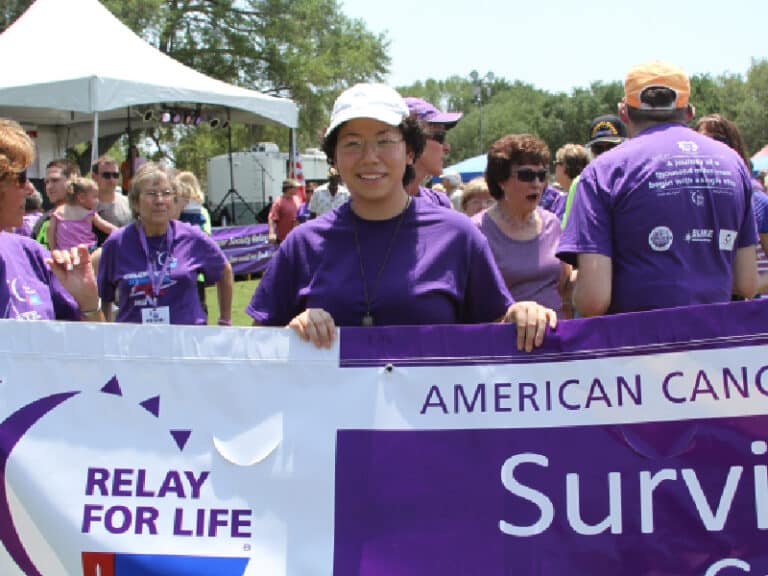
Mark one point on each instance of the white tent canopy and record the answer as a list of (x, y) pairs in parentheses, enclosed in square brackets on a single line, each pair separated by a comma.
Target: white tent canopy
[(62, 71)]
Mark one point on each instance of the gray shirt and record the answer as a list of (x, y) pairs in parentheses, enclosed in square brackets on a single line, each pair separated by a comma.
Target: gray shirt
[(117, 212)]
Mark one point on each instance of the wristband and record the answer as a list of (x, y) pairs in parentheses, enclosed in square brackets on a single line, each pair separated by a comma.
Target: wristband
[(225, 322), (91, 312)]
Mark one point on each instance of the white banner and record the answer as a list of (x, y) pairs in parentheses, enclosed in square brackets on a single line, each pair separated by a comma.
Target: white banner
[(137, 450)]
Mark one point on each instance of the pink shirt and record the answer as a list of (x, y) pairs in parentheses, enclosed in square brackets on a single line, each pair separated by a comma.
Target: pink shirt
[(71, 233), (283, 214)]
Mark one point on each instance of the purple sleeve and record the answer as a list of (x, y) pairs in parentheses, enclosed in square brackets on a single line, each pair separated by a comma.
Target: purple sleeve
[(271, 304), (748, 232), (64, 304), (487, 296), (760, 210), (211, 255), (589, 223)]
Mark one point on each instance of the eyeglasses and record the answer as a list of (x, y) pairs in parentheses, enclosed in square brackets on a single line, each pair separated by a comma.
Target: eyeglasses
[(484, 202), (21, 177), (354, 146), (529, 175), (113, 175), (438, 137), (159, 194)]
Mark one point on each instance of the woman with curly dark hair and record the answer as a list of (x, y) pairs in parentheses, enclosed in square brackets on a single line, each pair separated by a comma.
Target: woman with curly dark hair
[(385, 258), (523, 236)]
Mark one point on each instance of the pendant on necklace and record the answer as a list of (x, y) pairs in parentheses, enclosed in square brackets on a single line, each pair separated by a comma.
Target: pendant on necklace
[(367, 320)]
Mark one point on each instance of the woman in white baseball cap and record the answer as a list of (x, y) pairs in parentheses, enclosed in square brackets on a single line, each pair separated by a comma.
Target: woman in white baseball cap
[(385, 258)]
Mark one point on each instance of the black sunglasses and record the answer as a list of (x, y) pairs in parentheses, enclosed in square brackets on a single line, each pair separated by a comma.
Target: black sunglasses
[(529, 175), (21, 177), (438, 137), (110, 174)]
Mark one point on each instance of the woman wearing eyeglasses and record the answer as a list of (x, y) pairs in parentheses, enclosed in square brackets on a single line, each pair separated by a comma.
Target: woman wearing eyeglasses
[(33, 284), (429, 164), (385, 258), (153, 264), (523, 236)]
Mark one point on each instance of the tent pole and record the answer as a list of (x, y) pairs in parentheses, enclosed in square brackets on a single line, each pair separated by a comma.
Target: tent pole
[(130, 144), (95, 142)]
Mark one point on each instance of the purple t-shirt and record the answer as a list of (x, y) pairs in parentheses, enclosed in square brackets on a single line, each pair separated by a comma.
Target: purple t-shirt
[(435, 197), (553, 200), (440, 271), (760, 209), (670, 207), (124, 265), (530, 268), (29, 290), (28, 223)]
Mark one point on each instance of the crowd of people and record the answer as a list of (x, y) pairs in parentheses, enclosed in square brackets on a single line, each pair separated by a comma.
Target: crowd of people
[(146, 266), (648, 213)]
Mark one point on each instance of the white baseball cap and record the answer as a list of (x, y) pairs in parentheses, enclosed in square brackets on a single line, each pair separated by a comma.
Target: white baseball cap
[(377, 101)]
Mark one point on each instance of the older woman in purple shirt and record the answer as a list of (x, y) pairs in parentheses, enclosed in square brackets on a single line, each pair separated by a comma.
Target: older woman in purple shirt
[(152, 265), (523, 236), (385, 258)]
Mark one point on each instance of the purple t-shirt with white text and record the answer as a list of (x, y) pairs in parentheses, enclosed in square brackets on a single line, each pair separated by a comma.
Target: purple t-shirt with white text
[(553, 200), (670, 207), (124, 265), (529, 267), (28, 288), (440, 271)]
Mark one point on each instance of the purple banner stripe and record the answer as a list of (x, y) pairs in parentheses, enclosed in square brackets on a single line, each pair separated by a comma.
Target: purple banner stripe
[(246, 247), (671, 330), (645, 499)]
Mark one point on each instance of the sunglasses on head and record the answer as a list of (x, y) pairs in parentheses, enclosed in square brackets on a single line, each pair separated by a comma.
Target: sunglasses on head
[(110, 174), (438, 137), (529, 175)]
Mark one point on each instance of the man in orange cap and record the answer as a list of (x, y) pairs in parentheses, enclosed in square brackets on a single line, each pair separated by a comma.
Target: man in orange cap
[(663, 220)]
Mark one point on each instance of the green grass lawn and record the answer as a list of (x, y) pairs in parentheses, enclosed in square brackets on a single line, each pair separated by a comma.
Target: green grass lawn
[(241, 295)]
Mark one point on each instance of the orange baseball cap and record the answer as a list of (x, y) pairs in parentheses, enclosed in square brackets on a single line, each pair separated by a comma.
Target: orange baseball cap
[(656, 74)]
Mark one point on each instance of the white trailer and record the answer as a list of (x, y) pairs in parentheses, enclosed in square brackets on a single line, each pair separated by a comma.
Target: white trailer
[(238, 192)]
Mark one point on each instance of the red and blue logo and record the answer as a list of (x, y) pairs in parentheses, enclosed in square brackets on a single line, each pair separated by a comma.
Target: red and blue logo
[(115, 564)]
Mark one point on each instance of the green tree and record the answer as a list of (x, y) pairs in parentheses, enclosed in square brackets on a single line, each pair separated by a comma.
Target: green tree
[(753, 117), (10, 10), (307, 50)]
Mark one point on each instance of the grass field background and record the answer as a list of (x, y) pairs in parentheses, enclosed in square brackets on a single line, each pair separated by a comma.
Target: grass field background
[(241, 295)]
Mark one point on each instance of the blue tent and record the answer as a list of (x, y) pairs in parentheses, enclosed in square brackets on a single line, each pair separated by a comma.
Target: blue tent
[(469, 168), (760, 160)]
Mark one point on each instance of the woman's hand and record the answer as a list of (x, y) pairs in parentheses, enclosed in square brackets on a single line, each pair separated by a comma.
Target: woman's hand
[(532, 320), (73, 269), (315, 325)]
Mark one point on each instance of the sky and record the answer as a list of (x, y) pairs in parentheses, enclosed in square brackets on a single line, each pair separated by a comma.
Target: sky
[(558, 45)]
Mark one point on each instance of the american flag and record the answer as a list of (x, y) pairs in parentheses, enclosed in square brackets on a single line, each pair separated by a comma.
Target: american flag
[(295, 170)]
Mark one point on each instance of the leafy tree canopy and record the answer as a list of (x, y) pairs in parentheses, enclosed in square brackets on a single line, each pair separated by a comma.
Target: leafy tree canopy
[(309, 50)]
